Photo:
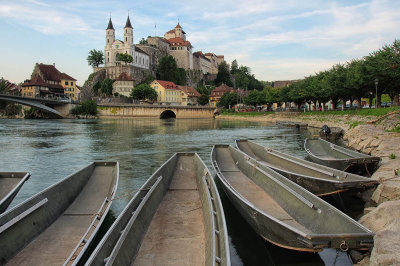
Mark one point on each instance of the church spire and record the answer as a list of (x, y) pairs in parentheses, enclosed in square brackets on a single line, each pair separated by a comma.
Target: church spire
[(110, 25), (128, 23)]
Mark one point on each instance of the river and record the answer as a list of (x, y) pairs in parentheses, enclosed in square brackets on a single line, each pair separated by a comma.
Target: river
[(53, 149)]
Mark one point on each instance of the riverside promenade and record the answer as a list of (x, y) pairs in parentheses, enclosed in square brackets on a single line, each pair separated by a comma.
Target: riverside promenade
[(371, 135)]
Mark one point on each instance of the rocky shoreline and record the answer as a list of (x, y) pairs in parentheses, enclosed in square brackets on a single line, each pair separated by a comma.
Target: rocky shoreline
[(382, 208)]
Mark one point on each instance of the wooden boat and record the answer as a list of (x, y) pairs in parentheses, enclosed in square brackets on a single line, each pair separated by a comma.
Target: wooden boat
[(329, 154), (10, 184), (281, 211), (293, 124), (318, 179), (57, 225), (176, 217)]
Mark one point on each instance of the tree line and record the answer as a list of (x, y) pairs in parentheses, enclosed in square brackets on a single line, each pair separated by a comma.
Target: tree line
[(368, 77)]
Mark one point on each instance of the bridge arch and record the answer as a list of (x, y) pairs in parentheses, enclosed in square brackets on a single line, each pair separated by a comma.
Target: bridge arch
[(167, 114)]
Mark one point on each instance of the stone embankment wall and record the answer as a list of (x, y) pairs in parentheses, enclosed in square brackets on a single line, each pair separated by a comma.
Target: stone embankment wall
[(116, 111), (383, 214)]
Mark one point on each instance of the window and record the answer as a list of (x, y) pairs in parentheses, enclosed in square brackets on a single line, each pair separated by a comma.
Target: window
[(66, 83)]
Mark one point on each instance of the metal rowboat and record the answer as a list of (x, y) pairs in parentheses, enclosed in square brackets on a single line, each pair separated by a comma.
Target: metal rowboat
[(332, 155), (10, 184), (318, 179), (281, 211), (175, 218), (57, 225)]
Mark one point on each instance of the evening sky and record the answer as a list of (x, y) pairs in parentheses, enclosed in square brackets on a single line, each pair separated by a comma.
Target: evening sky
[(277, 39)]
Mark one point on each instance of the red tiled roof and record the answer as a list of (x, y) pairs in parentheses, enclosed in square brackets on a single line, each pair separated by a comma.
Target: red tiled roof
[(209, 54), (222, 88), (178, 42), (220, 56), (167, 84), (190, 91), (67, 77), (124, 77), (178, 26), (171, 31), (50, 72), (200, 54), (35, 81)]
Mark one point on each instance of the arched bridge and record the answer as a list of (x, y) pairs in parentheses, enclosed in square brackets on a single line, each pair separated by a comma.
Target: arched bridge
[(38, 103), (153, 110)]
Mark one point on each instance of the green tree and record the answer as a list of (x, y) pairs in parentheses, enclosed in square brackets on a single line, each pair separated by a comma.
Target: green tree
[(234, 67), (223, 75), (228, 100), (255, 98), (168, 70), (149, 79), (144, 92), (95, 58), (271, 96), (143, 41), (127, 58), (203, 99), (88, 107), (106, 86)]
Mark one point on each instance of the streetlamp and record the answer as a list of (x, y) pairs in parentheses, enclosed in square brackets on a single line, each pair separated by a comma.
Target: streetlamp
[(376, 92)]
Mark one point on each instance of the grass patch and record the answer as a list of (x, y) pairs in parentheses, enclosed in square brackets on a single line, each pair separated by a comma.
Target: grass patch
[(361, 112), (244, 114), (355, 123), (392, 156), (396, 129)]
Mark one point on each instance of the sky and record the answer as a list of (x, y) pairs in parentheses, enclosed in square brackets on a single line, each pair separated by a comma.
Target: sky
[(277, 39)]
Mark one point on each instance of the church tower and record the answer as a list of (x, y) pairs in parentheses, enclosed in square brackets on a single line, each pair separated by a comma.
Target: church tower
[(128, 33), (110, 33), (110, 38)]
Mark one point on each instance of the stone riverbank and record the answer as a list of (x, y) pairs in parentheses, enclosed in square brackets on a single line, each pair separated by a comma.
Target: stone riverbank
[(382, 208)]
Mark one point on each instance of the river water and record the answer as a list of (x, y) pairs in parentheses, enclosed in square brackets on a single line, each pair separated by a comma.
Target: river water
[(53, 149)]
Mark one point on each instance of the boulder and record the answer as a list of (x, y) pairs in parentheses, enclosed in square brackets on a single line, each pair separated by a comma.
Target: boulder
[(387, 191), (385, 222)]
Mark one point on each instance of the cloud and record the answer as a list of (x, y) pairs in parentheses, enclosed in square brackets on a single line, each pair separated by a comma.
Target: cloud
[(45, 19)]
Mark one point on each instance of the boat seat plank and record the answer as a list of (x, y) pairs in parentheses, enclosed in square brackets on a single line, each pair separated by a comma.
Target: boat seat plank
[(7, 184), (259, 198), (54, 245), (176, 233)]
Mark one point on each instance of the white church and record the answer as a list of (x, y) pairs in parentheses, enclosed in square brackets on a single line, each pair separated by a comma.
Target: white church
[(115, 47)]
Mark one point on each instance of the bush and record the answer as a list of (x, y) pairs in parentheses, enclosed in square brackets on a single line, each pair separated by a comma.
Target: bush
[(88, 107)]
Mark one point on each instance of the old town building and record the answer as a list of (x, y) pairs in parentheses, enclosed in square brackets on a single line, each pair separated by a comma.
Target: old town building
[(189, 95), (167, 92), (139, 68), (180, 48), (123, 85), (217, 93), (48, 81)]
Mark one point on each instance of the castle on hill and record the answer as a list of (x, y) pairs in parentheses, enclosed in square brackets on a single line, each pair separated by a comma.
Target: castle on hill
[(147, 54)]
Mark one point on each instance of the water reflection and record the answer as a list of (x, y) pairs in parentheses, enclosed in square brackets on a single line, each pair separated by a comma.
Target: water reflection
[(53, 149)]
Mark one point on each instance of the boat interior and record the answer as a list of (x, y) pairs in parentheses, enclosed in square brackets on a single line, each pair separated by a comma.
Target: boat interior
[(54, 245)]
